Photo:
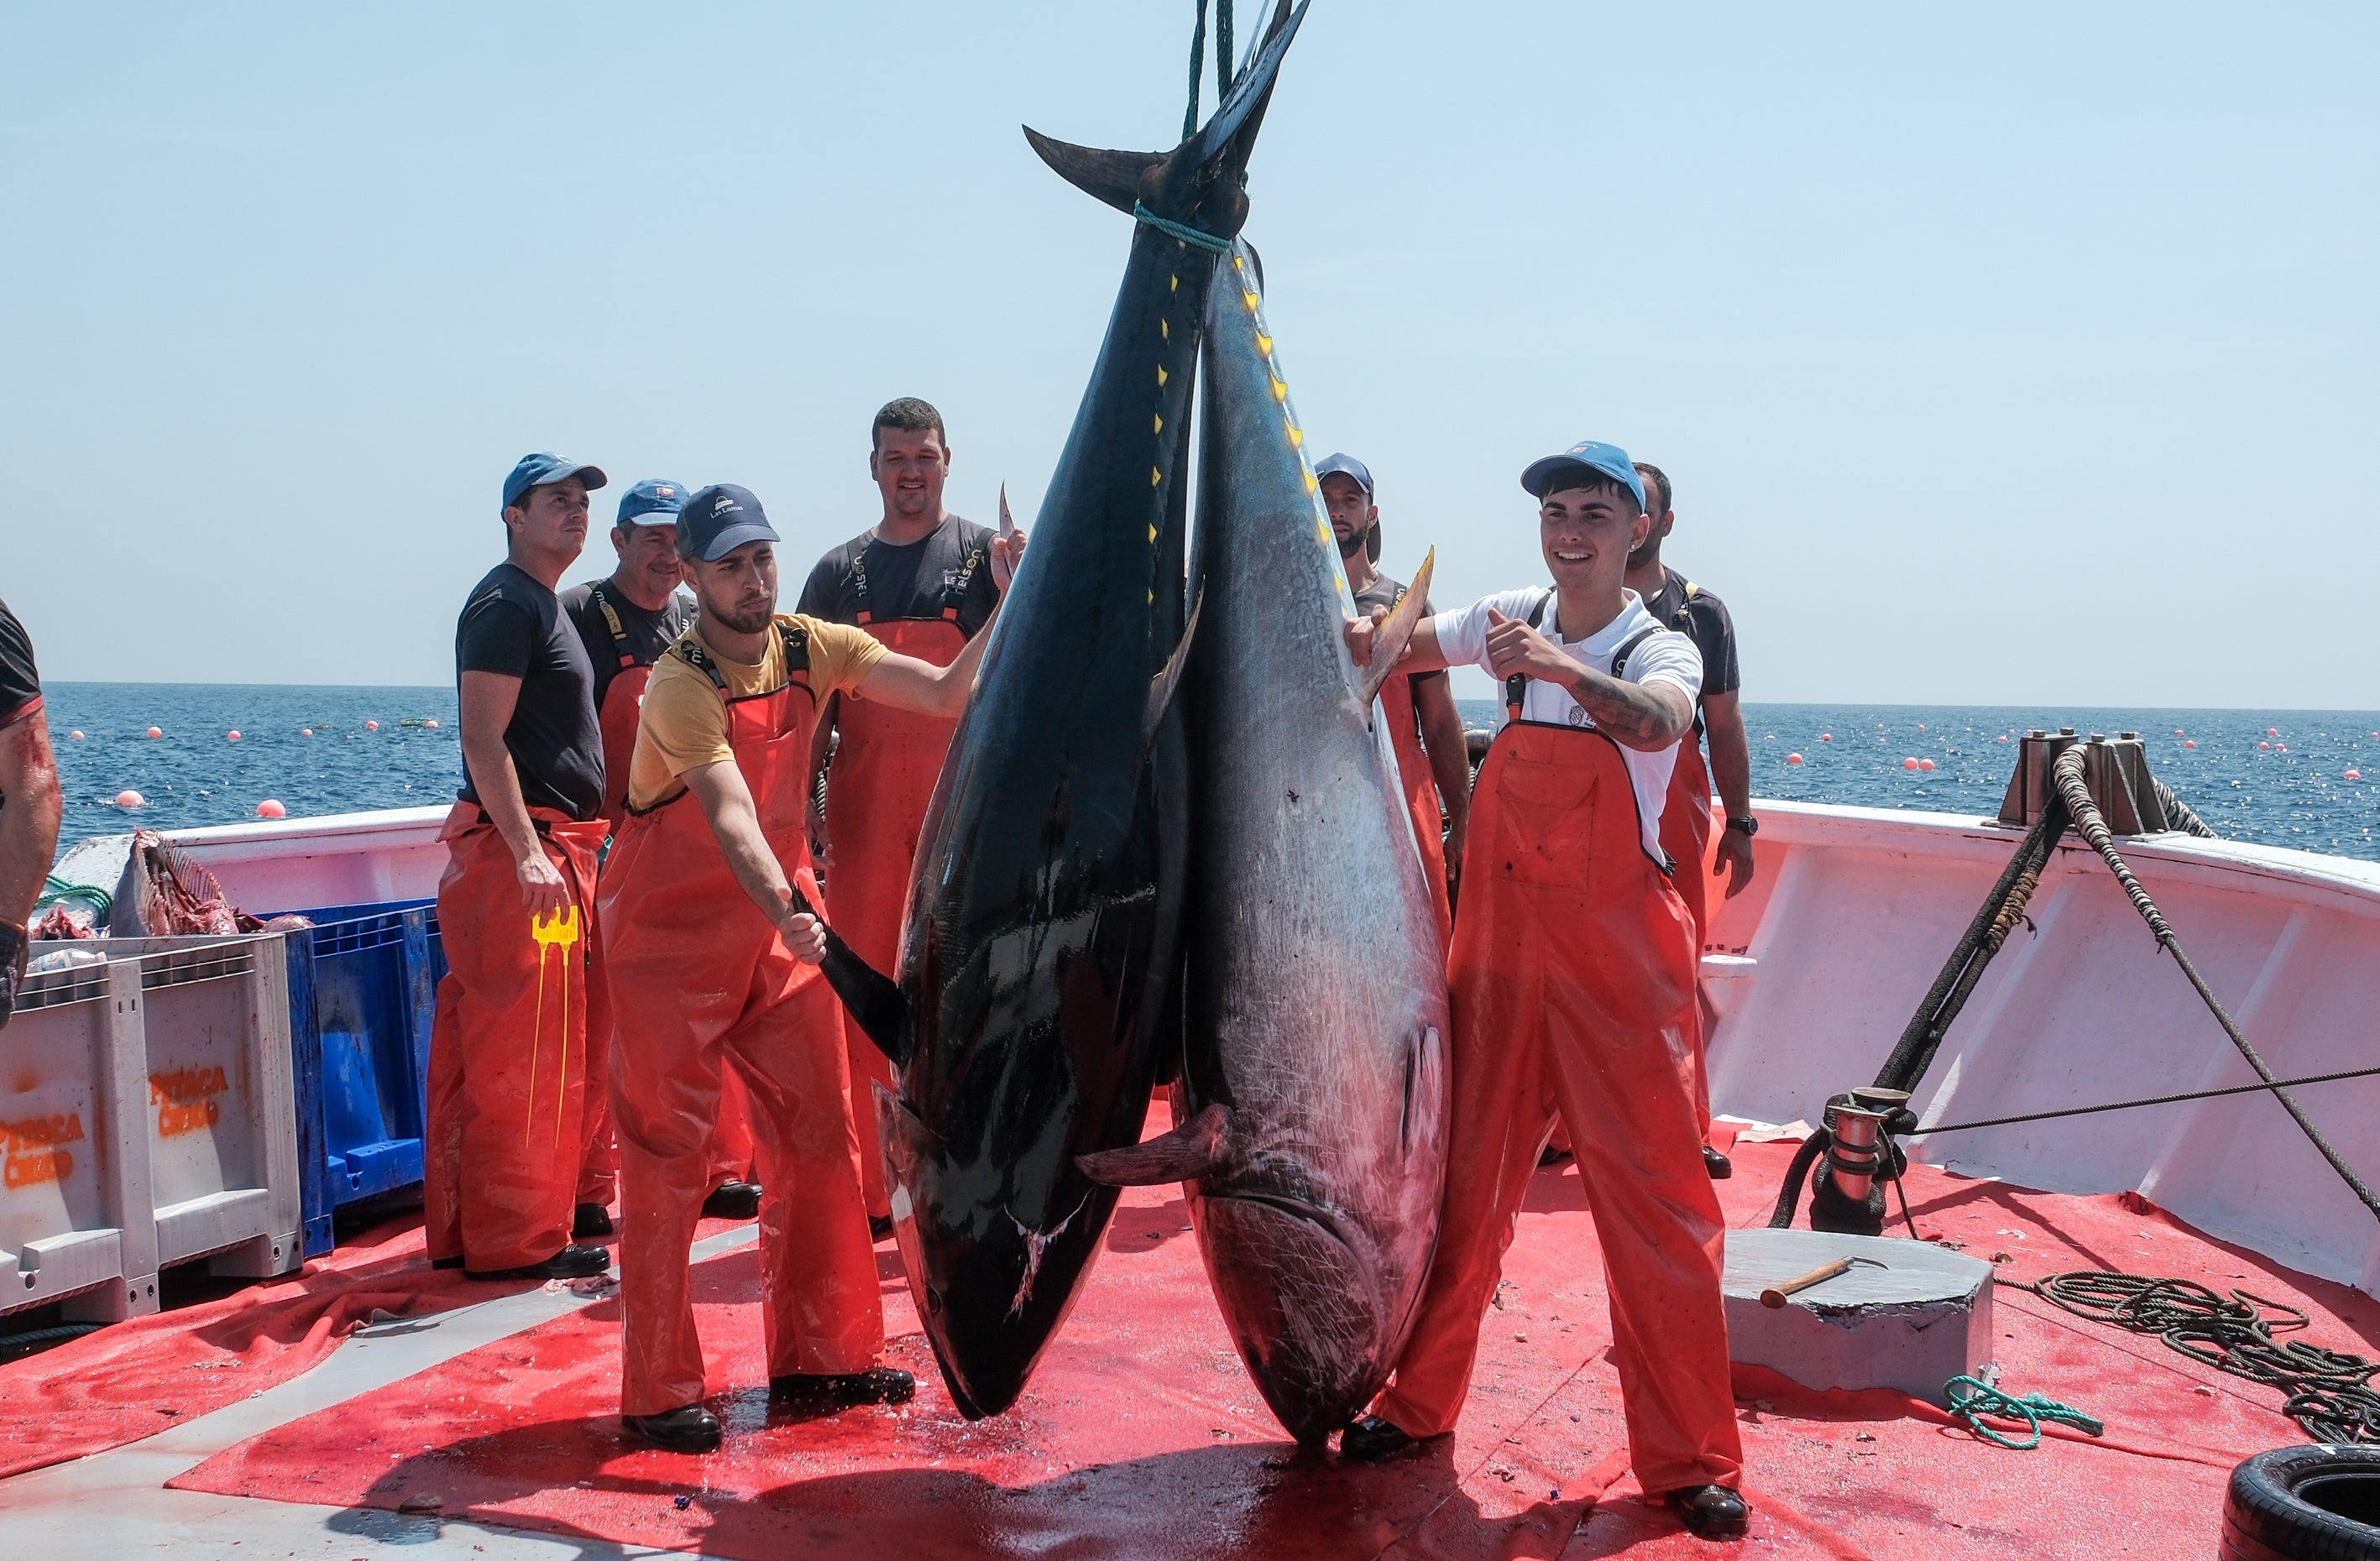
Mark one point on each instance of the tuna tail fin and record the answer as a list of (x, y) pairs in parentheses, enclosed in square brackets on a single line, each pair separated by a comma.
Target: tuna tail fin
[(1389, 638), (1177, 185), (873, 997), (1190, 1151)]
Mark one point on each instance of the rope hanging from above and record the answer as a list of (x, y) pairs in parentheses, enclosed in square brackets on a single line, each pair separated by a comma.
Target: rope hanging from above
[(1198, 60)]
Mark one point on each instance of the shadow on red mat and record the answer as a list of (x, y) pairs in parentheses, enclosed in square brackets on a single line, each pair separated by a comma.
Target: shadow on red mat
[(1141, 1435)]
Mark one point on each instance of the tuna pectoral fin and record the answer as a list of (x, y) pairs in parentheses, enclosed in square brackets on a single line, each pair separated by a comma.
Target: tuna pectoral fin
[(1169, 676), (1111, 176), (1389, 638), (1190, 1151), (873, 997)]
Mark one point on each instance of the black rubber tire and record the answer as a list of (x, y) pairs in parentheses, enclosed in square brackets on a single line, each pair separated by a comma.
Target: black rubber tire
[(2304, 1503)]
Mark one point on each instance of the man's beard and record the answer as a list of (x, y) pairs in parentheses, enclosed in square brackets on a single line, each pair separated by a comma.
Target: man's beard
[(1643, 555), (750, 622), (1350, 546)]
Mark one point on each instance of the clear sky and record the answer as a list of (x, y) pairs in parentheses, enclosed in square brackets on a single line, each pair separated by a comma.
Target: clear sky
[(2000, 354)]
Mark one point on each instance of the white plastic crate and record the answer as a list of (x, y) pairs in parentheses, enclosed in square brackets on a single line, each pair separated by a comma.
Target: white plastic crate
[(145, 1104)]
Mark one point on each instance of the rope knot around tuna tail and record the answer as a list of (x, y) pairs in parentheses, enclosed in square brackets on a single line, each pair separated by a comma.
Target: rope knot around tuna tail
[(1196, 239)]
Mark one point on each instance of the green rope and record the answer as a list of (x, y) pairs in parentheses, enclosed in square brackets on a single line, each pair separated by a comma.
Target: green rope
[(1192, 236), (1198, 60), (2033, 1409), (56, 890)]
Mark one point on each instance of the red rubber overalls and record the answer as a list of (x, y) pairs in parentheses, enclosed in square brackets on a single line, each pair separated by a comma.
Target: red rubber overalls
[(699, 977), (1419, 783), (1573, 992), (885, 766), (508, 1047), (623, 698), (1685, 835)]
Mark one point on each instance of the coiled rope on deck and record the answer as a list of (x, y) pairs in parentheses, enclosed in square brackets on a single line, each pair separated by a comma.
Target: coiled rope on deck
[(2067, 773), (2328, 1392)]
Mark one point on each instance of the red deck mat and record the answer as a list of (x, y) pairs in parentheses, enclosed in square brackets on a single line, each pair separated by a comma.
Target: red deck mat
[(1141, 1435)]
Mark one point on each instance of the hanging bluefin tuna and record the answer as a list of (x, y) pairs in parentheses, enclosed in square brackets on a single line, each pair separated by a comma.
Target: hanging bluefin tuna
[(1041, 949), (1313, 1093)]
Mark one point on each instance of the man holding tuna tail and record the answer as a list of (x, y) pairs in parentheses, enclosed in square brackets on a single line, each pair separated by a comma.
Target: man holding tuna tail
[(1573, 971), (712, 945)]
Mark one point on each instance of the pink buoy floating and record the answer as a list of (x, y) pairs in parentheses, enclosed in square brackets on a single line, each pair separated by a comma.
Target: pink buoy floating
[(432, 721), (1924, 764), (2192, 744), (1793, 758), (154, 733), (128, 798), (75, 736), (269, 808), (372, 726), (2000, 739), (232, 736), (2272, 732), (305, 731), (1826, 736), (2266, 747), (2355, 775), (1908, 764)]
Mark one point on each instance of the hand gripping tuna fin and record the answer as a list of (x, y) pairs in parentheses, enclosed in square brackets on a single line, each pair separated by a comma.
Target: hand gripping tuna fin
[(873, 997), (1173, 184), (1190, 1151), (1394, 631), (1169, 677)]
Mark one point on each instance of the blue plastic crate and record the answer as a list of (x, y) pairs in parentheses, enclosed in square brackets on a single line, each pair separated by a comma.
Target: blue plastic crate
[(363, 988)]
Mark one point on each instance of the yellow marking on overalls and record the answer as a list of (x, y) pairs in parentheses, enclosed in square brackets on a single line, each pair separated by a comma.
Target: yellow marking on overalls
[(558, 930)]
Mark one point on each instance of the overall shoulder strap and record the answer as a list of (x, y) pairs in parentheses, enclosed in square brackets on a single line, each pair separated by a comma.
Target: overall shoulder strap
[(1628, 648), (856, 580), (955, 594), (796, 641), (612, 621), (1516, 687), (689, 650)]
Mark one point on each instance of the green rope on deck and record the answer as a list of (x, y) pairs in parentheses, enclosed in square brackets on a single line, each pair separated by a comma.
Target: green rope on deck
[(56, 890), (1982, 1398)]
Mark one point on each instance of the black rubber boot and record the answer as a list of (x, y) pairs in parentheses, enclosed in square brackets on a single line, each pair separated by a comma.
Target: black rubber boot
[(589, 1221), (880, 1227), (1712, 1512), (1719, 1165), (570, 1263), (446, 1262), (690, 1430), (842, 1390), (733, 1200), (1371, 1439)]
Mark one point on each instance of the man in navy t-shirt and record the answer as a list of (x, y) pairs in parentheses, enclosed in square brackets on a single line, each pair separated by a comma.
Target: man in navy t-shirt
[(29, 800)]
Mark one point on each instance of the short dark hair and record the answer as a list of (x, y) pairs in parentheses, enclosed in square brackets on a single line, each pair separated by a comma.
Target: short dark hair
[(1655, 478), (909, 413), (1594, 479)]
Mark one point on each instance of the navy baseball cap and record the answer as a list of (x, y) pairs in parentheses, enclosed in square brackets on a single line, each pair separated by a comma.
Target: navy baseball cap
[(1345, 466), (535, 471), (720, 519), (1609, 459), (651, 502)]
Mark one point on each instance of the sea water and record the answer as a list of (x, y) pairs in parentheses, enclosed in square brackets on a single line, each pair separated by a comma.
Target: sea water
[(2274, 777)]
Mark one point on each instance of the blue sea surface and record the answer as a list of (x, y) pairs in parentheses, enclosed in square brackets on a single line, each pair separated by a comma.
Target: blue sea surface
[(2293, 793)]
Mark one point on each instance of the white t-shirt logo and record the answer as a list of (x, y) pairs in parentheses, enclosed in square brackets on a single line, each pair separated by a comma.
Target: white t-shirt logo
[(1578, 715)]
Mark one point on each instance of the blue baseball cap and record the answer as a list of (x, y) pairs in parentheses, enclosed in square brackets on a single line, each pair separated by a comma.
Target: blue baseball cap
[(651, 502), (535, 471), (1609, 459), (1345, 466), (720, 519)]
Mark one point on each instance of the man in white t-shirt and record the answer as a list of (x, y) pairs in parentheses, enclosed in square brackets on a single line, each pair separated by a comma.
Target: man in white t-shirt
[(1572, 989)]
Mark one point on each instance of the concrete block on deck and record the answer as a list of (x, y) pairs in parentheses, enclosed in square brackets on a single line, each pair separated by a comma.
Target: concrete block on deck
[(1913, 1324)]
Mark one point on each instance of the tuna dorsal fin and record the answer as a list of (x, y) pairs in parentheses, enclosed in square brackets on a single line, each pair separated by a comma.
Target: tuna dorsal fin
[(1169, 676), (1389, 640), (1111, 176), (1190, 1151)]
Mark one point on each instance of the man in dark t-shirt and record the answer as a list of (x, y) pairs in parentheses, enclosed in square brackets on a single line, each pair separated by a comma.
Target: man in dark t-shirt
[(508, 1050), (1679, 603), (29, 800), (920, 580)]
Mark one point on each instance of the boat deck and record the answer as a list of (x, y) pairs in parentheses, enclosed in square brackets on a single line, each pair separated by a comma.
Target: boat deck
[(479, 1421)]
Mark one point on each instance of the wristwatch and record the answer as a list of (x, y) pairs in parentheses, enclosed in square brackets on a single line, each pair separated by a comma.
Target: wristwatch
[(1748, 824)]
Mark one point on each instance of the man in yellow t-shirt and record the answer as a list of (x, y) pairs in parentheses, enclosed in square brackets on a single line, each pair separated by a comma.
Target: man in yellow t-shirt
[(711, 948)]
